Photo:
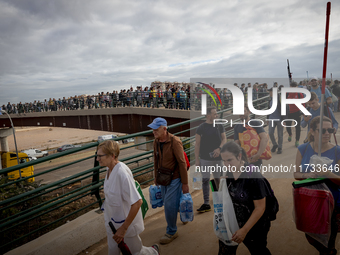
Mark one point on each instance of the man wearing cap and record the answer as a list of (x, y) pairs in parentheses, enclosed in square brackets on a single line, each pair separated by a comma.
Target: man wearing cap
[(317, 89), (168, 154)]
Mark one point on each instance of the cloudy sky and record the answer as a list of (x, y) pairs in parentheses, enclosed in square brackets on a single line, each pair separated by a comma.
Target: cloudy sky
[(62, 48)]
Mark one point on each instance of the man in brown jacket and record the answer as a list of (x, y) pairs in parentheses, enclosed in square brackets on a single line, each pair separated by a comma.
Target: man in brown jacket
[(168, 153)]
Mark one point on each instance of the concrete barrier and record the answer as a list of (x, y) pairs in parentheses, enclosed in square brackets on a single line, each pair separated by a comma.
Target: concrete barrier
[(68, 239), (76, 235)]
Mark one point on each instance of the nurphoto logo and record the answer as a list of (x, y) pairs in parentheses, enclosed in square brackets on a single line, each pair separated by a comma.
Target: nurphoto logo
[(238, 103)]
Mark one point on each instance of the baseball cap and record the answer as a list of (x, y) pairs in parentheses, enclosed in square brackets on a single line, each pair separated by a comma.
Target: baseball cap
[(157, 123), (314, 78)]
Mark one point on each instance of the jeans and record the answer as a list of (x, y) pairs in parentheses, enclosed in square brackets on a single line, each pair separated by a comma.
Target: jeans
[(272, 126), (171, 195), (182, 103), (206, 177), (335, 106)]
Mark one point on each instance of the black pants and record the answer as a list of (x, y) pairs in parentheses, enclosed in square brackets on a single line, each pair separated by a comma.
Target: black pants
[(255, 241), (331, 243), (294, 116)]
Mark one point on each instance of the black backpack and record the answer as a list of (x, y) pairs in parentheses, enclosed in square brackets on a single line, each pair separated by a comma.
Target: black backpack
[(272, 205)]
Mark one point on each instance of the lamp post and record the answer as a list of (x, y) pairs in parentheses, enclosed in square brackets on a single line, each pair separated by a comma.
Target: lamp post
[(15, 140)]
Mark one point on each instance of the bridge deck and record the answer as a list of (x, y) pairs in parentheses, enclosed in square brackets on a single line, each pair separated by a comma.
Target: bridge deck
[(198, 236), (124, 119)]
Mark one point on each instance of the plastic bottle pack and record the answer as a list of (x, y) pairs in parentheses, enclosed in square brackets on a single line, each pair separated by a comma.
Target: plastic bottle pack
[(186, 208), (197, 180), (156, 199)]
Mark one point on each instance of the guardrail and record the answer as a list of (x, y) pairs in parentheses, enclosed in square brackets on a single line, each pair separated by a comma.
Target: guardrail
[(27, 208)]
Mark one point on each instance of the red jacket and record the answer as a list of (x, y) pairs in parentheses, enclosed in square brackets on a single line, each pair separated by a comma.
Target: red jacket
[(292, 107)]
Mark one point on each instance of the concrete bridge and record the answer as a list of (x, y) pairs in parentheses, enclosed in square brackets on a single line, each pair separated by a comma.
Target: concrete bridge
[(128, 120), (87, 235), (124, 119)]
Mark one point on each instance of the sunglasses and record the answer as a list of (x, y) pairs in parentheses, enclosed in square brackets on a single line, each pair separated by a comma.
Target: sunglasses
[(330, 130)]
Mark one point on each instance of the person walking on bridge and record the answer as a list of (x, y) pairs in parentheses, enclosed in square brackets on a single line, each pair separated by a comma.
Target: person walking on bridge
[(274, 121), (122, 203), (170, 171), (294, 114), (209, 141)]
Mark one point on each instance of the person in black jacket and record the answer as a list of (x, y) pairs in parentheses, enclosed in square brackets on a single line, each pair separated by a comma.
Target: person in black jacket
[(275, 122)]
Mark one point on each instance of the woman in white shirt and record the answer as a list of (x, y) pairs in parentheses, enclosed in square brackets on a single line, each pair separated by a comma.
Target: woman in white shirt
[(122, 203)]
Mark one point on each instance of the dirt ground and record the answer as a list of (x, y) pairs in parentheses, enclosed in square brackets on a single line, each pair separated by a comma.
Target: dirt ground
[(45, 138)]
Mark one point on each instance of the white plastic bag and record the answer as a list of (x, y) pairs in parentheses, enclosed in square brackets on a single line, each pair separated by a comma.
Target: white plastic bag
[(318, 160), (225, 222)]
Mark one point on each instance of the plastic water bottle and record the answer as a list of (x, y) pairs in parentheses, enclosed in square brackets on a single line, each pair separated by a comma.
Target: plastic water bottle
[(186, 208), (156, 199), (197, 180)]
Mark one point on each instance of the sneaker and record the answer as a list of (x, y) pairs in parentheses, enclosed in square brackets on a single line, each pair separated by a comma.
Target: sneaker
[(297, 144), (204, 208), (289, 138), (184, 223), (274, 148), (279, 151), (168, 238), (156, 247)]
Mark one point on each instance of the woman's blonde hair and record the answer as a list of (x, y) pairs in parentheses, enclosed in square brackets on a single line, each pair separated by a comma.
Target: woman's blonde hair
[(314, 124), (110, 147)]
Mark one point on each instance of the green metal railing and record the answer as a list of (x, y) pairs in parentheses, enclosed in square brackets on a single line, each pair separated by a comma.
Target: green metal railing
[(23, 214)]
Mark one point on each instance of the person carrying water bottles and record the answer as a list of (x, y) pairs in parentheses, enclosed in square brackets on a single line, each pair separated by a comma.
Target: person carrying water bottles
[(170, 172)]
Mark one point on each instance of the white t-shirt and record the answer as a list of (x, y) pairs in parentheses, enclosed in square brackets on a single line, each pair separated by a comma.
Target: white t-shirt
[(120, 193)]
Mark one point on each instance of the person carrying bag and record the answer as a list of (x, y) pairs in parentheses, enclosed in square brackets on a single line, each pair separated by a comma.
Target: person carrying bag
[(164, 175), (255, 205), (170, 171), (320, 235)]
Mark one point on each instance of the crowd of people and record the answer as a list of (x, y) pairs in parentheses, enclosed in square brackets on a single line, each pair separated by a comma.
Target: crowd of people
[(294, 113), (174, 96), (254, 203)]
